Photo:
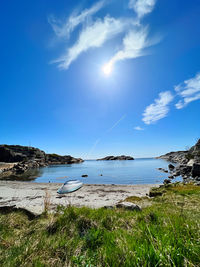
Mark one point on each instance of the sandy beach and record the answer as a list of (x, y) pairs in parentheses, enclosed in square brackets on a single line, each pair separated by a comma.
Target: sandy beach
[(31, 196)]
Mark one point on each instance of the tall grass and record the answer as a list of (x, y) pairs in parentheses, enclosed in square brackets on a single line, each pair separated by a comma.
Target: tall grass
[(167, 233), (47, 201)]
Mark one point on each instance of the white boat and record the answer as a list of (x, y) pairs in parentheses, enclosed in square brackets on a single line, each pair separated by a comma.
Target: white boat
[(70, 186)]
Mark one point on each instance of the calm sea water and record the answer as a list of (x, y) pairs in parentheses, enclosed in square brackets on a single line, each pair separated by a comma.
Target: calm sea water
[(138, 171)]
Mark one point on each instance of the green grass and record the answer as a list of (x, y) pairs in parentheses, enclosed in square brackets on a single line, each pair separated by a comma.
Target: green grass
[(165, 233)]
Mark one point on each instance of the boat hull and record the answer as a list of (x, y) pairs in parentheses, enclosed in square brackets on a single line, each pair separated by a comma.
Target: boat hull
[(69, 188)]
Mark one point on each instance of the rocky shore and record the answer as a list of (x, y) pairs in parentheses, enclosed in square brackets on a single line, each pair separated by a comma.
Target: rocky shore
[(16, 161), (188, 164), (122, 157)]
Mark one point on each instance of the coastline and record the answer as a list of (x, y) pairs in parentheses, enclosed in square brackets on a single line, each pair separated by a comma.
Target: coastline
[(31, 196)]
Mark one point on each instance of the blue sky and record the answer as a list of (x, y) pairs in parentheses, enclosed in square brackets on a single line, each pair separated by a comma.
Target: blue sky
[(97, 78)]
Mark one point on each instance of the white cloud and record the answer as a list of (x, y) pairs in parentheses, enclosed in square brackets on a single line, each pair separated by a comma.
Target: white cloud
[(159, 109), (133, 44), (138, 128), (189, 90), (64, 29), (95, 33), (92, 36), (142, 7)]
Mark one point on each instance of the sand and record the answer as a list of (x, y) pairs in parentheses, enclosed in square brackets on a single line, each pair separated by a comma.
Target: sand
[(31, 196)]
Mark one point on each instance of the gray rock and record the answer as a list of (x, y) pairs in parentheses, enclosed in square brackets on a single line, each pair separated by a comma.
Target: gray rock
[(162, 170), (128, 206), (167, 181), (195, 170), (109, 207), (171, 167), (190, 162)]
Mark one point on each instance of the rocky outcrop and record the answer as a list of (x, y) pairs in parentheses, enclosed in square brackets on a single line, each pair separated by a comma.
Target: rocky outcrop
[(16, 153), (188, 163), (184, 157), (19, 160), (122, 157), (176, 157)]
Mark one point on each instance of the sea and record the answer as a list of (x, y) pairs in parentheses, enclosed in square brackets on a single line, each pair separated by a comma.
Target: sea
[(138, 171)]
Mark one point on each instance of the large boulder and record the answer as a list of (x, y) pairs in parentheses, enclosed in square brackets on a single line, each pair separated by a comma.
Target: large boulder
[(190, 162), (171, 167), (196, 170)]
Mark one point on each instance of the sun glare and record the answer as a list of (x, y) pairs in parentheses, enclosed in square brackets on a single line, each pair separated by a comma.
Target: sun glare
[(107, 69)]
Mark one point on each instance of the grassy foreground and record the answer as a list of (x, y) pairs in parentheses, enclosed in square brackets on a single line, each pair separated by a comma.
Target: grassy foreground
[(165, 233)]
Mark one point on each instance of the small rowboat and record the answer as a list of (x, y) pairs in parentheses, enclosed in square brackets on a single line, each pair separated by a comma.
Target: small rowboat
[(70, 186)]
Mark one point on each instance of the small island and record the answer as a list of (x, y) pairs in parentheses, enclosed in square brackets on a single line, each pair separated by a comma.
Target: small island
[(122, 157)]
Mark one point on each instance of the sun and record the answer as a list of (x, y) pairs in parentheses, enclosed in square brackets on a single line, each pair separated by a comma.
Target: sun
[(107, 69)]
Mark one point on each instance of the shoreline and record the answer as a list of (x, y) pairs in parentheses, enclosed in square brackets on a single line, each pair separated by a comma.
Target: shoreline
[(32, 196)]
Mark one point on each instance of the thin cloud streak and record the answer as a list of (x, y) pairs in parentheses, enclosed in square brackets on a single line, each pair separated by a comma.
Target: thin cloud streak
[(159, 109), (106, 132), (93, 147), (116, 123), (63, 30)]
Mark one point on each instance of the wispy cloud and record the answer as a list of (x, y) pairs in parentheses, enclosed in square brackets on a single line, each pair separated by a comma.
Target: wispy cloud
[(135, 41), (138, 128), (95, 32), (133, 46), (63, 29), (159, 109), (92, 36), (142, 7), (189, 91)]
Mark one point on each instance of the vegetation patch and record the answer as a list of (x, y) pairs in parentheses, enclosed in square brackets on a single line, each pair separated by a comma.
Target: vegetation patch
[(166, 233), (135, 199)]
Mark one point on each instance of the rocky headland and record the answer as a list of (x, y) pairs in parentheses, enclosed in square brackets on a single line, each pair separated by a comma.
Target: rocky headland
[(187, 164), (16, 160), (122, 157)]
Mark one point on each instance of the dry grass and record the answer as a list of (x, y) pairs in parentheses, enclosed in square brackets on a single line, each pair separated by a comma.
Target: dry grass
[(47, 201)]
